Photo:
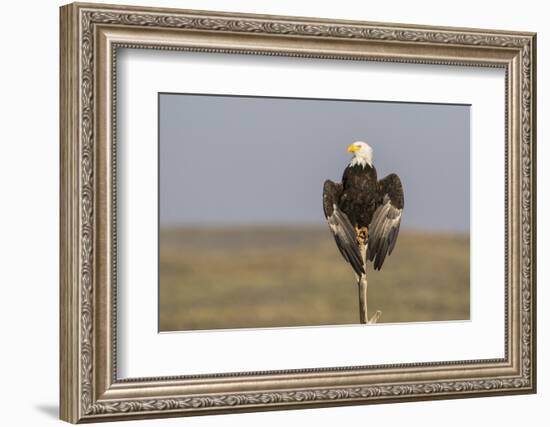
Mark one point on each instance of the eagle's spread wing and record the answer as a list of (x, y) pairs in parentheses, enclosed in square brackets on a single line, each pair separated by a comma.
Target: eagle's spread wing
[(384, 227), (340, 226)]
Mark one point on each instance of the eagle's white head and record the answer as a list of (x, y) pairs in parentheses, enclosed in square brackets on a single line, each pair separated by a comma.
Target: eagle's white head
[(362, 154)]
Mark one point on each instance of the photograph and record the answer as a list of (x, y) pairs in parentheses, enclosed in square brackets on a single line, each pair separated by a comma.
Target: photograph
[(277, 212)]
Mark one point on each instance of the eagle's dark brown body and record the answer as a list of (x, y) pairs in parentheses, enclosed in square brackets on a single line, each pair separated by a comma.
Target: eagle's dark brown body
[(360, 196)]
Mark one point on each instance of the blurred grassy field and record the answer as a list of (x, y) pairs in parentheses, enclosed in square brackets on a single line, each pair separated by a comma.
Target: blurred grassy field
[(295, 276)]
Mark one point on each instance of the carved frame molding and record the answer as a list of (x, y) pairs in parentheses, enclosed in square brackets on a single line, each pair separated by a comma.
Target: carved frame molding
[(90, 36)]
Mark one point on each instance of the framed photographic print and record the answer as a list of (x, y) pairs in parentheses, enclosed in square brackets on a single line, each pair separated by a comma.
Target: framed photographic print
[(266, 212)]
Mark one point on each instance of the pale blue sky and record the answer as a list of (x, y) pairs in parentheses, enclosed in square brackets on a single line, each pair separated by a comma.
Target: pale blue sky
[(239, 160)]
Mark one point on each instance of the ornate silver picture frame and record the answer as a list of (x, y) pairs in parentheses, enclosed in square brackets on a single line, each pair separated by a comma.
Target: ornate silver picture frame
[(91, 390)]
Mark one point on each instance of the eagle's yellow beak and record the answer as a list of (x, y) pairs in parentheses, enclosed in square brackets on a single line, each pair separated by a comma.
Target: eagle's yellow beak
[(353, 148)]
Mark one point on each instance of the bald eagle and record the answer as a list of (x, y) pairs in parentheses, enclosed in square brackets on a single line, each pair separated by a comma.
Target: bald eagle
[(364, 213)]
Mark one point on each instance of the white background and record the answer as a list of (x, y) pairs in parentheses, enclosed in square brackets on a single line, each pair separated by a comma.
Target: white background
[(145, 353), (29, 171)]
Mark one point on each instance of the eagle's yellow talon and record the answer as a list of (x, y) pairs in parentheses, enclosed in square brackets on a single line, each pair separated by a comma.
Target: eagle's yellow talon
[(362, 234)]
